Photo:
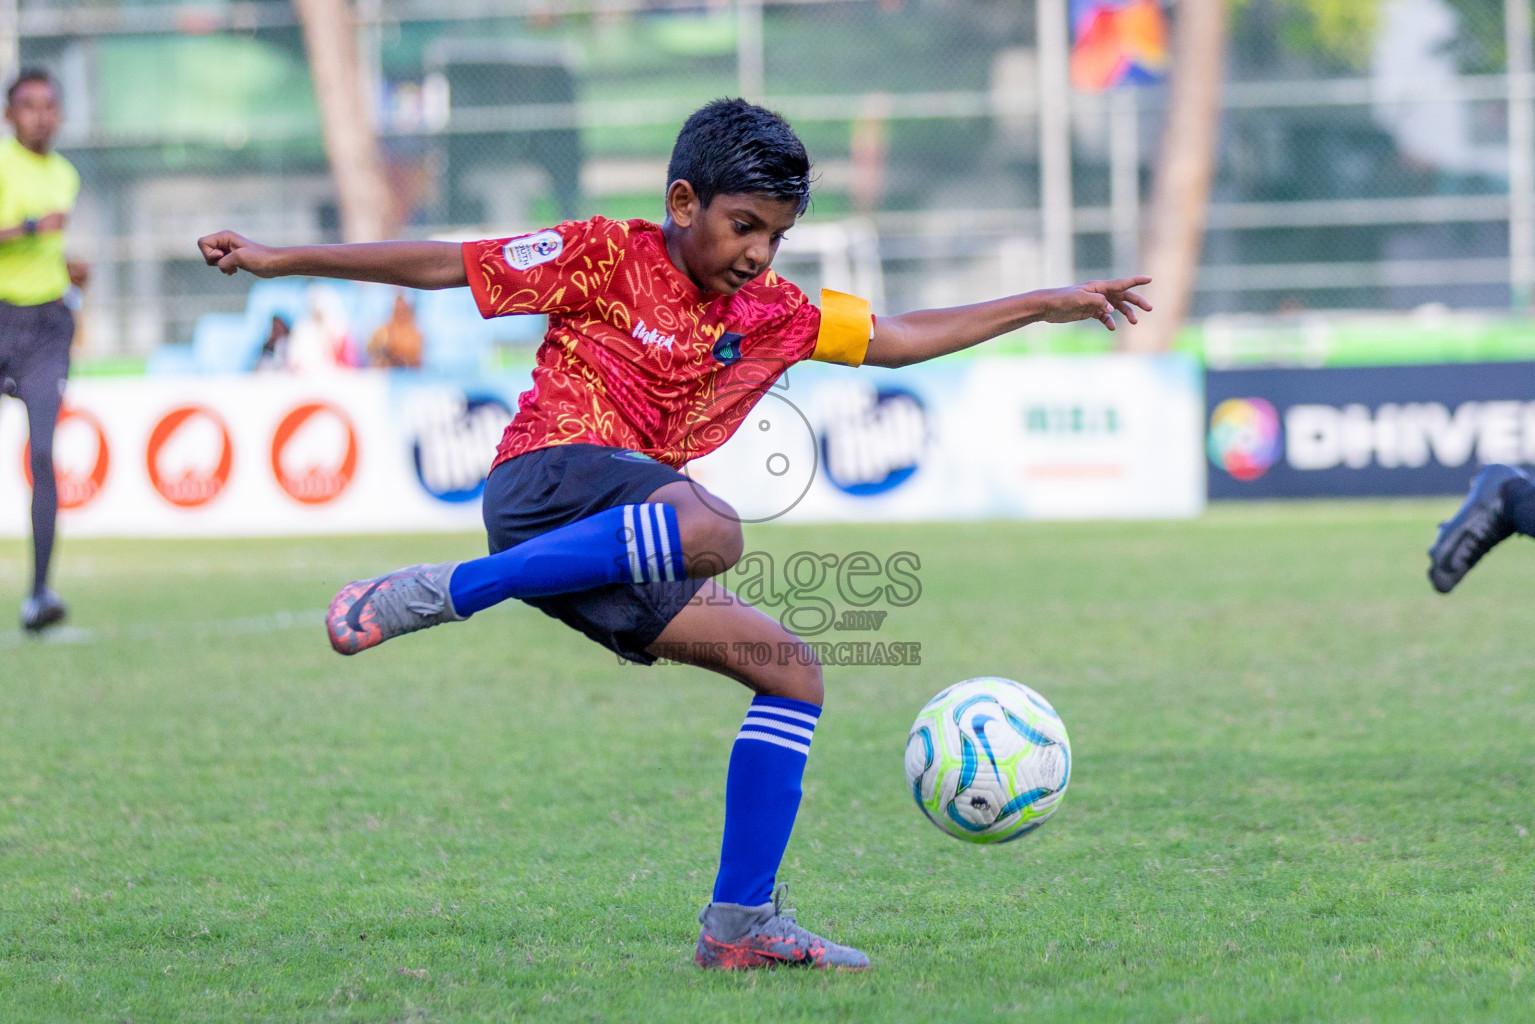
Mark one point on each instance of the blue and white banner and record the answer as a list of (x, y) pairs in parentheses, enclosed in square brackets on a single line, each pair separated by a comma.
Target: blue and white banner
[(988, 437), (371, 451)]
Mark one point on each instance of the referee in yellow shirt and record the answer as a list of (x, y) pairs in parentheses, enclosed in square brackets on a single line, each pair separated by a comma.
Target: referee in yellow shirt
[(37, 193)]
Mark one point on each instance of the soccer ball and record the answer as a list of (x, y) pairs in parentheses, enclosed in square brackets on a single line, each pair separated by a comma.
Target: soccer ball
[(988, 760)]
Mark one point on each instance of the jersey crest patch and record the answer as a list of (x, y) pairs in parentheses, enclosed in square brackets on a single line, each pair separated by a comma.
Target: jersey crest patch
[(728, 349), (530, 250)]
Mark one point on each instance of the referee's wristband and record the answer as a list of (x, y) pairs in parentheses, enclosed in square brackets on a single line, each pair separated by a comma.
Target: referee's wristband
[(29, 226)]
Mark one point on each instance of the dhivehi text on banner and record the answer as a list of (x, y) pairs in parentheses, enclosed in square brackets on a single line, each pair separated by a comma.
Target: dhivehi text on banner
[(1365, 430)]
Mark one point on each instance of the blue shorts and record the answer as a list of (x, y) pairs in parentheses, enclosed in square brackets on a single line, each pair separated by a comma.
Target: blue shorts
[(552, 487)]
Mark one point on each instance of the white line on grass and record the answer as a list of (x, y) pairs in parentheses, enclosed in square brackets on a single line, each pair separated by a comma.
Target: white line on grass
[(168, 631)]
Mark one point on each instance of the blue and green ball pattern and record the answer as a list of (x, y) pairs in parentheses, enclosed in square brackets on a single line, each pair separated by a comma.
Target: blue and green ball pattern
[(988, 760)]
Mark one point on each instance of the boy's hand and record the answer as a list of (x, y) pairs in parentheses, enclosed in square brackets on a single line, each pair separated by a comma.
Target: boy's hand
[(231, 252), (402, 264), (1095, 300)]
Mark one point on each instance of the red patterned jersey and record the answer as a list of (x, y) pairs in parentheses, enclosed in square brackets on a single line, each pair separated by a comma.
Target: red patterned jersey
[(636, 356)]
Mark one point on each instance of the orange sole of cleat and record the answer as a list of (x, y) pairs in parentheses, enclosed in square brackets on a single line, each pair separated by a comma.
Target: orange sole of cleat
[(744, 958), (344, 639)]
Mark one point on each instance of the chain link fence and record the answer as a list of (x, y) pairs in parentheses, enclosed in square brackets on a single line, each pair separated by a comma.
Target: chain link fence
[(1363, 165)]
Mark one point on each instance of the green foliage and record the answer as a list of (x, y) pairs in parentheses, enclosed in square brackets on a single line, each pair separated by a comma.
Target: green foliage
[(1342, 26), (1481, 47), (1339, 29), (1345, 29), (1302, 792)]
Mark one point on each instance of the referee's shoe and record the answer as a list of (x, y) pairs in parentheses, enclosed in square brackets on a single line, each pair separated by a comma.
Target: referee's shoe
[(39, 611)]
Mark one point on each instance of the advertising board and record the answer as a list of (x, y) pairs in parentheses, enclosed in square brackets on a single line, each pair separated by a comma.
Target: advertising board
[(263, 455), (1004, 437), (1369, 430)]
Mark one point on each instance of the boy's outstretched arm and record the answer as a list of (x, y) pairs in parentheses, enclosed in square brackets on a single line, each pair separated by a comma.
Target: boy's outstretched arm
[(927, 333), (407, 264)]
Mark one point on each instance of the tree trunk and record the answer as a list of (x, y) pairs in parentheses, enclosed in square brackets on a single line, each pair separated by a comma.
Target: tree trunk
[(1180, 196), (346, 119)]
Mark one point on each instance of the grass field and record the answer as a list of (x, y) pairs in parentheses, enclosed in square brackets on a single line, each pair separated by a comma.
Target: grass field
[(1304, 790)]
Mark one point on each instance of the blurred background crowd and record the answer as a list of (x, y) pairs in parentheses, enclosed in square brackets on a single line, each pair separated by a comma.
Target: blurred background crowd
[(1363, 157)]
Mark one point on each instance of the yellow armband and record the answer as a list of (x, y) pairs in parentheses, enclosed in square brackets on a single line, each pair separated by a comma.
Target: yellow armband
[(847, 325)]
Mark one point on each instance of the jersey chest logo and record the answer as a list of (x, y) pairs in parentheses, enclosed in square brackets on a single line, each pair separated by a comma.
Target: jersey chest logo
[(652, 338), (728, 349)]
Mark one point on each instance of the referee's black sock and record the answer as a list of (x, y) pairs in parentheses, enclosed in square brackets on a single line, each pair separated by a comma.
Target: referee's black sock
[(1519, 504), (45, 512)]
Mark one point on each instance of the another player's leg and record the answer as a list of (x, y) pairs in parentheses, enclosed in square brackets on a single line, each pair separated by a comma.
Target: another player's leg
[(668, 537), (746, 924), (41, 389), (1501, 503)]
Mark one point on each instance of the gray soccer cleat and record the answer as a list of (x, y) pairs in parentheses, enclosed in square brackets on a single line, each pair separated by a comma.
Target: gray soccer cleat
[(736, 937), (1480, 524), (39, 611), (367, 612)]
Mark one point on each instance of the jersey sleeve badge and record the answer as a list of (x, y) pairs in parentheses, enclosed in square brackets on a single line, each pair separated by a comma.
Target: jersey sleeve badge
[(532, 250)]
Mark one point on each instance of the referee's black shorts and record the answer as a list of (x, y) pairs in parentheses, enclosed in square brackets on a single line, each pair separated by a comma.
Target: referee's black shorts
[(543, 490), (34, 352)]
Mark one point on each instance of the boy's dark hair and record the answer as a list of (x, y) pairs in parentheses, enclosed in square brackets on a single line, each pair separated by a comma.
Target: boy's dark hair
[(732, 147), (30, 75)]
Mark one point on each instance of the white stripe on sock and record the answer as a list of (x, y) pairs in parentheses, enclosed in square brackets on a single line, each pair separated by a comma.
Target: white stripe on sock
[(634, 535), (792, 730), (769, 709), (666, 545), (652, 563), (647, 545), (803, 748)]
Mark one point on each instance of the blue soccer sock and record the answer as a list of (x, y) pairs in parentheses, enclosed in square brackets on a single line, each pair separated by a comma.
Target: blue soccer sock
[(762, 795), (626, 544)]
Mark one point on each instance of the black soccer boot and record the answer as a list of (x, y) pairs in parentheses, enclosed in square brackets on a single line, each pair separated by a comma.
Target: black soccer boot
[(1481, 524), (39, 611)]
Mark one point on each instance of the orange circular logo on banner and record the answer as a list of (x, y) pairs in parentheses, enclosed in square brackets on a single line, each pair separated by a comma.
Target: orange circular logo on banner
[(314, 453), (77, 440), (189, 456)]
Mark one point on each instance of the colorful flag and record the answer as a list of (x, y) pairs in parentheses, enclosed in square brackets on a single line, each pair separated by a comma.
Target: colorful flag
[(1117, 42)]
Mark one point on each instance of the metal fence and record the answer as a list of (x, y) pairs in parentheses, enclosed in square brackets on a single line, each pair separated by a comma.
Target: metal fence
[(1369, 171)]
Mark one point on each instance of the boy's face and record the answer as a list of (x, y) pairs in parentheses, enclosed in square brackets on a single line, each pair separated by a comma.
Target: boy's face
[(34, 114), (730, 241)]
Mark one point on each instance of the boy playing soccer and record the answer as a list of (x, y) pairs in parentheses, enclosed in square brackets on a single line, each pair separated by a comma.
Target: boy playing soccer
[(660, 341)]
